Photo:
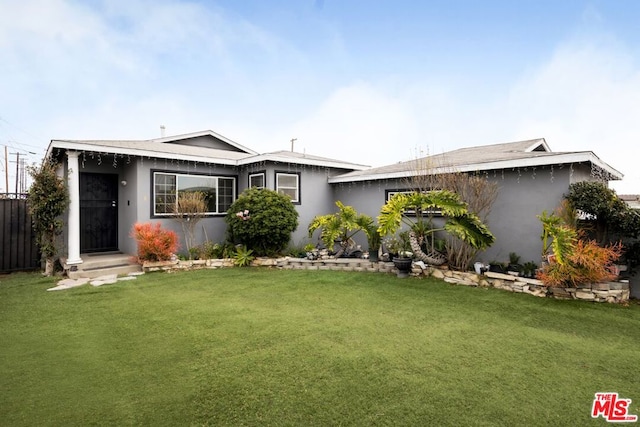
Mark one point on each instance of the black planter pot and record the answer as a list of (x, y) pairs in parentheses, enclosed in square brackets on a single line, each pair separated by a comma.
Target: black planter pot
[(403, 265)]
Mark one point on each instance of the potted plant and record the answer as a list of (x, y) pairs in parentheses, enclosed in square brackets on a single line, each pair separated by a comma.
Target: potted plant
[(514, 267), (529, 269), (398, 247), (375, 242)]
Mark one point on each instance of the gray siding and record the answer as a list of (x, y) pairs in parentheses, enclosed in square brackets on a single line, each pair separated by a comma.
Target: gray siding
[(523, 194), (316, 195)]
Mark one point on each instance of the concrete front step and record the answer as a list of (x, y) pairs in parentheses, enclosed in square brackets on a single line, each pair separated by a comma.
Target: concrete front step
[(96, 265), (121, 270)]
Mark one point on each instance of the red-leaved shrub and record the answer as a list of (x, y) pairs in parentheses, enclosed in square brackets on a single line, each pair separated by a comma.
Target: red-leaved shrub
[(586, 263), (154, 242)]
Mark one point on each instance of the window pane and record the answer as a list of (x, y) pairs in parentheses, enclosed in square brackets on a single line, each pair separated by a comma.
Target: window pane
[(203, 184), (219, 193), (165, 190), (289, 192), (288, 184), (290, 181), (226, 194), (256, 181)]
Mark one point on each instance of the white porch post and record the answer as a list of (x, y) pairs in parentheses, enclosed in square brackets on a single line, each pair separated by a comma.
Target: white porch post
[(73, 238)]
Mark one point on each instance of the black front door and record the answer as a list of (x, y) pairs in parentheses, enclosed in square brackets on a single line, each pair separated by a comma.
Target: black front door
[(98, 212)]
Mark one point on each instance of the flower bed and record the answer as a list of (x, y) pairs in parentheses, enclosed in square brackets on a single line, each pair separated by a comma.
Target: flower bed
[(611, 292)]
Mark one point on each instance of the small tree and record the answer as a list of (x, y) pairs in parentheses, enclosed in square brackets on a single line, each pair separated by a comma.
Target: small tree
[(48, 200), (459, 221), (479, 194), (605, 213), (262, 220), (189, 210), (476, 191)]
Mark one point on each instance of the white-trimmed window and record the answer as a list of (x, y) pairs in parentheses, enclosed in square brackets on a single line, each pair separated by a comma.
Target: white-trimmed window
[(390, 193), (256, 180), (219, 191), (288, 184)]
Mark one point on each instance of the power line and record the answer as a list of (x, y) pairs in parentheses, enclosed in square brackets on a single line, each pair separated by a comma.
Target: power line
[(32, 136)]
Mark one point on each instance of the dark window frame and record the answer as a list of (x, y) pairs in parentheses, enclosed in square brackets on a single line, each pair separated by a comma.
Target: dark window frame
[(175, 173), (299, 186), (390, 193), (252, 174)]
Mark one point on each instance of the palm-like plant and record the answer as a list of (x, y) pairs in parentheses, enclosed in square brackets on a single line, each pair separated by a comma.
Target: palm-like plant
[(557, 237), (341, 227), (459, 221)]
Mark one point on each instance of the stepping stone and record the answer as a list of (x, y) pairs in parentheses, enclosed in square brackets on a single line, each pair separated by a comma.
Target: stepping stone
[(68, 284), (106, 278), (107, 281)]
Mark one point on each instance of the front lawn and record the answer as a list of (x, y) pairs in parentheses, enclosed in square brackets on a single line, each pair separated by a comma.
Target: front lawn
[(269, 347)]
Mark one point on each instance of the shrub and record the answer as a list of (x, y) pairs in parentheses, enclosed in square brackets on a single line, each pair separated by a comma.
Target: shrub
[(340, 227), (190, 208), (606, 215), (262, 220), (154, 242), (243, 256), (587, 263), (48, 200)]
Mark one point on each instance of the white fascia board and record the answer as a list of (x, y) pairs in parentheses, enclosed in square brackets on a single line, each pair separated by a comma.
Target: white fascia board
[(556, 159), (69, 145), (300, 160)]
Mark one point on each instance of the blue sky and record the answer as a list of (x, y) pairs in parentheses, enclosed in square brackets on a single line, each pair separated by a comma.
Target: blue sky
[(371, 82)]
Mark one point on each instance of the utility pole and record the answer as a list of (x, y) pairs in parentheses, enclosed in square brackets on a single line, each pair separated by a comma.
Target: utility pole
[(17, 170), (6, 170), (23, 175)]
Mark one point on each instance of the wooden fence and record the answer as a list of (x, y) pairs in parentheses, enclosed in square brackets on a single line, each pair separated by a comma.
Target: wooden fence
[(18, 248)]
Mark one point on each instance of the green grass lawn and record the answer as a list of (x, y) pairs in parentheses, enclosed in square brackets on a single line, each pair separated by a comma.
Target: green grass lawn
[(269, 347)]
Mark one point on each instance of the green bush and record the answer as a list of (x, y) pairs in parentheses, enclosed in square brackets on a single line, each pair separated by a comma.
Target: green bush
[(48, 200), (262, 220)]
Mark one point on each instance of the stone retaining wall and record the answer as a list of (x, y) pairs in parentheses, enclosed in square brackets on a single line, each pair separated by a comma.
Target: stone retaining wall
[(611, 292)]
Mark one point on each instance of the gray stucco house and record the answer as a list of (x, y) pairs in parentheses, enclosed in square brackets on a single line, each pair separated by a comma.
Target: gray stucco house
[(530, 177), (114, 184)]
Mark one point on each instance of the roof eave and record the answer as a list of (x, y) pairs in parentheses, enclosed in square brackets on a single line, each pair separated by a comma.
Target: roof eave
[(559, 158), (298, 160), (84, 146)]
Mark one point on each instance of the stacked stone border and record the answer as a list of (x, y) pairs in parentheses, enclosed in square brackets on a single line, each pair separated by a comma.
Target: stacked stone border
[(610, 292)]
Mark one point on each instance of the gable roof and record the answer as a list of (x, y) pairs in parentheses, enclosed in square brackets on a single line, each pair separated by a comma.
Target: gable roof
[(193, 135), (529, 153), (177, 148), (302, 158)]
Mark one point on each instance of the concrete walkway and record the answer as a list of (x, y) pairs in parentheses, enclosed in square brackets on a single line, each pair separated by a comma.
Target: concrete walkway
[(98, 281)]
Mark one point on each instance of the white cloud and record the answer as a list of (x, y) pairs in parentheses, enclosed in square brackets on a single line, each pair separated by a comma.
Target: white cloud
[(587, 97), (120, 69), (358, 123)]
